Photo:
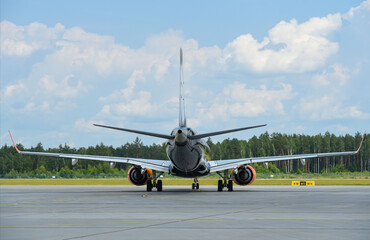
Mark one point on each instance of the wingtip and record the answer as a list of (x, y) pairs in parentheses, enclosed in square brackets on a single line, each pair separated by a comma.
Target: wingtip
[(362, 140), (15, 146)]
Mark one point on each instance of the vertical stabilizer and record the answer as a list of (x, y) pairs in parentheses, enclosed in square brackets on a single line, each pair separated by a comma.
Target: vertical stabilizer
[(182, 117)]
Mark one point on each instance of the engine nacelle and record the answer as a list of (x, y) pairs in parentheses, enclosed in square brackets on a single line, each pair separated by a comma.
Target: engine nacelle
[(139, 176), (245, 175)]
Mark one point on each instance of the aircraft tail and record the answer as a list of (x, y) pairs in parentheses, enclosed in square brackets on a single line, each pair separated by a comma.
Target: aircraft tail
[(182, 117)]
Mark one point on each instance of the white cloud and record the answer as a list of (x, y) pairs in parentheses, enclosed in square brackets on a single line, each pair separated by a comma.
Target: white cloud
[(141, 105), (90, 56), (254, 102), (23, 40), (238, 101), (328, 107), (290, 47), (86, 126), (79, 49), (78, 36), (301, 47), (363, 6), (61, 89), (10, 89), (32, 106), (142, 83), (128, 102), (327, 96), (338, 76)]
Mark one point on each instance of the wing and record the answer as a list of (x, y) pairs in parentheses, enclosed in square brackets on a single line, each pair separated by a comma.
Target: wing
[(233, 163), (158, 165)]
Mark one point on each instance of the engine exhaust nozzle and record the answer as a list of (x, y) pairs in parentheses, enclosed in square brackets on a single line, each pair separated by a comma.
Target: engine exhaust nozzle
[(180, 138)]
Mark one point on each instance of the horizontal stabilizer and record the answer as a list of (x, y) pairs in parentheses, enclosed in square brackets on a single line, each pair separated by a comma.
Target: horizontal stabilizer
[(223, 132), (137, 131)]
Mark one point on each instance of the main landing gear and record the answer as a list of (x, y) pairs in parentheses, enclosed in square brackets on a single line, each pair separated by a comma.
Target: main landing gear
[(154, 184), (195, 184), (226, 182)]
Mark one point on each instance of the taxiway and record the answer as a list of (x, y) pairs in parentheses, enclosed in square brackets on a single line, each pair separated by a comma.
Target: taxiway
[(128, 212)]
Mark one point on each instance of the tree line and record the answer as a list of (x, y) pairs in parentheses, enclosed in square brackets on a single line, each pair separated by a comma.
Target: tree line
[(264, 145)]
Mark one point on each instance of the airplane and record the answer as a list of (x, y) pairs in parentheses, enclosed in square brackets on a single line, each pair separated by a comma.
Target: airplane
[(188, 154)]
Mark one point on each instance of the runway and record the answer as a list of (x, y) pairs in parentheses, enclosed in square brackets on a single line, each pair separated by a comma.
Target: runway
[(128, 212)]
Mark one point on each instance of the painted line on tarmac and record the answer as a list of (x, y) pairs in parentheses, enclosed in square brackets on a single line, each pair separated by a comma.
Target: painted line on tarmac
[(65, 200), (172, 199), (190, 220)]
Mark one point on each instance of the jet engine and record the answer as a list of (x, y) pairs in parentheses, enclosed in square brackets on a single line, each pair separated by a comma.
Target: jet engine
[(244, 175), (139, 176)]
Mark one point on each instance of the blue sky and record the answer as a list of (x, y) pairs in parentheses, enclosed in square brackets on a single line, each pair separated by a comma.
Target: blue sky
[(299, 66)]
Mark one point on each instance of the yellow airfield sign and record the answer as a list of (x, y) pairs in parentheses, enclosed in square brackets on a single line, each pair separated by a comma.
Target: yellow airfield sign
[(303, 183)]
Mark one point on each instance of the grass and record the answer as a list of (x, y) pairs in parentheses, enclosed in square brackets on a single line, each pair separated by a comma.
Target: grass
[(175, 181)]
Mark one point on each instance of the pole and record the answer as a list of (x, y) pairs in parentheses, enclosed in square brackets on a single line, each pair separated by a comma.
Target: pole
[(318, 168), (361, 168)]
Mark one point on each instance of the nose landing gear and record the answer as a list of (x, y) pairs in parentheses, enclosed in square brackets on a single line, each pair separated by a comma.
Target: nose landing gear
[(195, 184)]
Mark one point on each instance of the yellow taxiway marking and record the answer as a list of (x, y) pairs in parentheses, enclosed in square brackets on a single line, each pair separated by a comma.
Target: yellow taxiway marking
[(186, 220), (303, 183)]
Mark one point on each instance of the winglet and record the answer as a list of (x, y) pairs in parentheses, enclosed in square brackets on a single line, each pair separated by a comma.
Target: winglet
[(14, 142), (361, 143)]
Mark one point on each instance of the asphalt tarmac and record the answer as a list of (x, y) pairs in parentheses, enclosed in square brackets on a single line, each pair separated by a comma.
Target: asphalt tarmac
[(129, 212)]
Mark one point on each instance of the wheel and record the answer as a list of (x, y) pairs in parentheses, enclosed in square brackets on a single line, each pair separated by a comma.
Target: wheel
[(220, 185), (159, 185), (149, 186), (193, 186), (197, 186), (230, 186)]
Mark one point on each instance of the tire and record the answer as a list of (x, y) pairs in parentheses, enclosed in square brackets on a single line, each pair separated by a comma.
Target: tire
[(230, 186), (197, 186), (193, 186), (159, 185), (220, 186), (149, 186)]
